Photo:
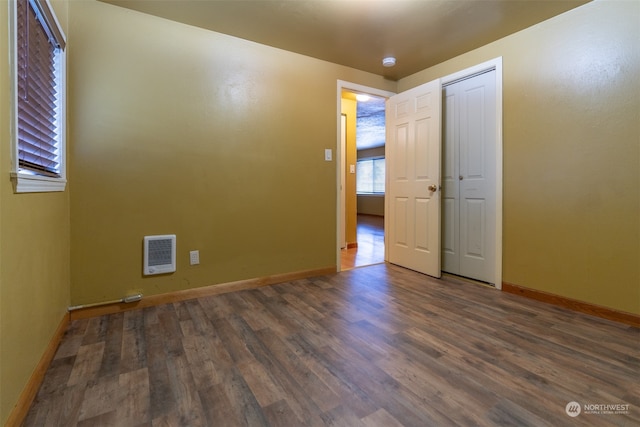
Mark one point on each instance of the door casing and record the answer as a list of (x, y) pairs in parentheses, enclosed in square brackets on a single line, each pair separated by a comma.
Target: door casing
[(345, 85)]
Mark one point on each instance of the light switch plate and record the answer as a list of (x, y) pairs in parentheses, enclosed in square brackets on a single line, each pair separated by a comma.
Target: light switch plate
[(352, 168), (328, 154)]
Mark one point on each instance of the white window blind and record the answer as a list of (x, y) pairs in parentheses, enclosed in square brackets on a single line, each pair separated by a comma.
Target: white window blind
[(370, 176), (39, 54)]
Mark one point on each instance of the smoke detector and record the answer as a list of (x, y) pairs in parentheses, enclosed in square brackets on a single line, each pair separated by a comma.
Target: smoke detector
[(389, 61)]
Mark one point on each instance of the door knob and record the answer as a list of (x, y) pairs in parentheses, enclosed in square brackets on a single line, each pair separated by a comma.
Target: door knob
[(432, 188)]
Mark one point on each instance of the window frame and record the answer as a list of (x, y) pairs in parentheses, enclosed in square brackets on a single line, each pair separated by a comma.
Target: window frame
[(28, 181), (372, 159)]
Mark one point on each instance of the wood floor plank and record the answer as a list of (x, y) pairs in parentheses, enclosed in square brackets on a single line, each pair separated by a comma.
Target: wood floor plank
[(380, 418), (188, 405), (72, 339), (502, 378), (169, 419), (201, 324), (261, 317), (372, 346), (289, 354), (341, 416), (346, 392), (359, 382), (266, 348), (161, 404), (57, 377), (264, 387), (59, 408), (96, 330), (134, 408), (201, 355), (101, 397), (234, 345), (243, 401), (87, 363), (508, 413), (113, 346), (279, 414), (303, 307), (64, 409), (218, 408), (106, 419), (170, 325), (134, 343), (372, 388)]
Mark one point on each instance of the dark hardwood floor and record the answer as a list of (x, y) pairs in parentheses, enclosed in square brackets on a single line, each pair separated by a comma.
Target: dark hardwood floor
[(372, 346), (370, 238)]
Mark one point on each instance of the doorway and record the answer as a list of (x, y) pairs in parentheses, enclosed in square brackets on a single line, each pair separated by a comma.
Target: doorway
[(360, 175)]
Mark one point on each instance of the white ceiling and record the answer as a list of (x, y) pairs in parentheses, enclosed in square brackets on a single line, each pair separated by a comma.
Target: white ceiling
[(359, 33)]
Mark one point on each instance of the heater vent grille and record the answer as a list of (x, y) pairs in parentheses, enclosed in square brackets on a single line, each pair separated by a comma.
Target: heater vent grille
[(159, 254)]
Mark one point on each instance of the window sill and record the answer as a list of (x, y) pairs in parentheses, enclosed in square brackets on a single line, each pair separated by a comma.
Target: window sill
[(371, 194), (23, 183)]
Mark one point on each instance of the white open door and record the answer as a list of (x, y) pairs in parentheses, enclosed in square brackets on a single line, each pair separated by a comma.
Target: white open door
[(412, 219)]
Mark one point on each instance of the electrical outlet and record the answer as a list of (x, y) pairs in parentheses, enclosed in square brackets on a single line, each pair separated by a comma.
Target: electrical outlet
[(194, 257)]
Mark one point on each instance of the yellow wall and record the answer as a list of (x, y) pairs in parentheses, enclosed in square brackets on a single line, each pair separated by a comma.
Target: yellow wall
[(571, 152), (371, 204), (34, 255), (219, 140), (349, 109)]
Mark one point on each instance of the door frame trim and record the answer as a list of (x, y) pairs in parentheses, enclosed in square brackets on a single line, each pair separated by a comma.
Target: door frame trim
[(491, 64), (345, 85)]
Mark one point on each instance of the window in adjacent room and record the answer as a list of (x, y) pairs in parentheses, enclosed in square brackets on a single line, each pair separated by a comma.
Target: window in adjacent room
[(370, 176), (38, 61)]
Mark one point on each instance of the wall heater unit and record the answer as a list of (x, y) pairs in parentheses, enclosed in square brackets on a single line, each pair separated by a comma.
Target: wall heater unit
[(159, 254)]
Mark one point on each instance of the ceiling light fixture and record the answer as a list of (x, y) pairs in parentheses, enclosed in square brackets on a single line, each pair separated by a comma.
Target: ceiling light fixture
[(361, 97), (389, 61)]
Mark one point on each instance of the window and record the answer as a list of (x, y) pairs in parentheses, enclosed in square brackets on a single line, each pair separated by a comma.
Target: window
[(38, 128), (370, 176)]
